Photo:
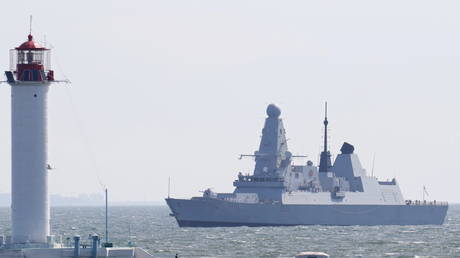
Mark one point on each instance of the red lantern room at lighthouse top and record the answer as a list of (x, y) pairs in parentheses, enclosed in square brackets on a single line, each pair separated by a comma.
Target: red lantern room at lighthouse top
[(31, 62)]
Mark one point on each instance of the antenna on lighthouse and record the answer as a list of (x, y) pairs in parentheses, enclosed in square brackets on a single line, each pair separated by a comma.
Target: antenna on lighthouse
[(30, 25)]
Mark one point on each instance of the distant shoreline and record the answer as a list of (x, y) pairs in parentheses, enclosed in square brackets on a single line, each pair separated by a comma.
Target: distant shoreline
[(101, 206), (83, 200)]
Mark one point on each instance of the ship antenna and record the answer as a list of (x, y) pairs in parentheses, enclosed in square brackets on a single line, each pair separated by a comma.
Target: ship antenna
[(373, 162), (325, 158), (169, 185), (325, 127)]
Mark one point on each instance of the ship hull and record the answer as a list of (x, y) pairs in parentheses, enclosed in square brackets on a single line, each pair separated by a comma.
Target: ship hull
[(203, 212)]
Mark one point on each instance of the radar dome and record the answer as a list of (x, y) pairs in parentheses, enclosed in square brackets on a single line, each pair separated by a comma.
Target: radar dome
[(273, 111)]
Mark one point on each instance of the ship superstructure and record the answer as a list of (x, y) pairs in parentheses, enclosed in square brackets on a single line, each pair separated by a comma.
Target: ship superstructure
[(281, 193)]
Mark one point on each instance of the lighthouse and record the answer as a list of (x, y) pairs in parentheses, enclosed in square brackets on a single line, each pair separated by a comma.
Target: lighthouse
[(30, 76)]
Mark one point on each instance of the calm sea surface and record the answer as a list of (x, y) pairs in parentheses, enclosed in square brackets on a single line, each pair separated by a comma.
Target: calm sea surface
[(157, 232)]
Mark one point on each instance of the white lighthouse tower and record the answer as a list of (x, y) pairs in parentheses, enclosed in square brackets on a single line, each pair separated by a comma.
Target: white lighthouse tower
[(30, 77)]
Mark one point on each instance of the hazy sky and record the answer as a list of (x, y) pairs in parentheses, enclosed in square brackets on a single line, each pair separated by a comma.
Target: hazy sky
[(179, 89)]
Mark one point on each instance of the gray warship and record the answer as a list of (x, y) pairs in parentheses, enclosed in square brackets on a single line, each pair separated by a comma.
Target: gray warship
[(280, 193)]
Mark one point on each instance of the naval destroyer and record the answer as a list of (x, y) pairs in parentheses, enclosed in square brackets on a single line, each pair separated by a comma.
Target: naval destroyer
[(280, 193)]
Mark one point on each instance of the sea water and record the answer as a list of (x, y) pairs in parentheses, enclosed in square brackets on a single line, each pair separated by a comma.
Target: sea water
[(154, 230)]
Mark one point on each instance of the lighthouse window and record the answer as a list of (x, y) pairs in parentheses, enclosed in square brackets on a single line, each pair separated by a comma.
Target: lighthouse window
[(21, 57), (35, 95), (30, 57)]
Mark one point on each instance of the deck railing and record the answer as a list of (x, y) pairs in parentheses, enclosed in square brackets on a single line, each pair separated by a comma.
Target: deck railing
[(427, 203)]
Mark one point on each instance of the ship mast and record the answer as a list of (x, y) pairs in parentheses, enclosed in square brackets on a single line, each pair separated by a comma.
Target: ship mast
[(325, 158), (325, 127)]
